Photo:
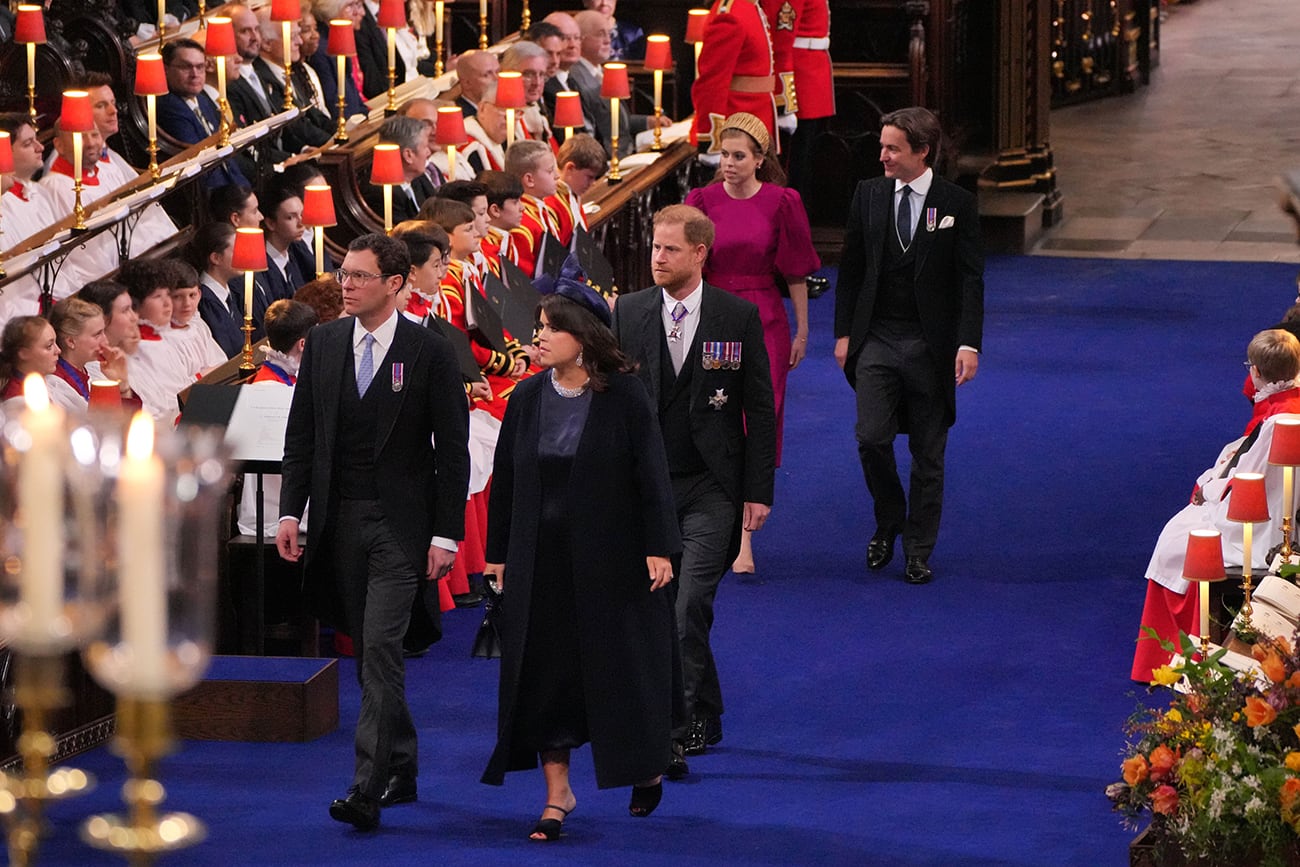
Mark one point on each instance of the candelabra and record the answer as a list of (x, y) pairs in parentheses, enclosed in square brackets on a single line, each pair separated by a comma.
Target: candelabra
[(163, 500), (51, 594), (658, 57), (1284, 451), (77, 118), (29, 30), (151, 82), (439, 10), (286, 12), (249, 256), (342, 45), (1247, 505), (482, 25), (614, 86), (1203, 564)]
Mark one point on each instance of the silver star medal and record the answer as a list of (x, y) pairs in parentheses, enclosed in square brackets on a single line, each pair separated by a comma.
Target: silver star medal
[(719, 399)]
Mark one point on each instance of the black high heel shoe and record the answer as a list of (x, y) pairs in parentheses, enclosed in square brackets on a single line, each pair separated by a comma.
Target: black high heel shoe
[(645, 799), (550, 828)]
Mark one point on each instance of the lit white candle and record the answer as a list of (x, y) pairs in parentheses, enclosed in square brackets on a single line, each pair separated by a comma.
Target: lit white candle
[(482, 8), (1247, 544), (40, 501), (76, 155), (221, 77), (1288, 503), (659, 88), (152, 102), (162, 14), (392, 48), (451, 162), (510, 127), (31, 63), (1205, 609), (142, 583), (437, 23), (248, 294)]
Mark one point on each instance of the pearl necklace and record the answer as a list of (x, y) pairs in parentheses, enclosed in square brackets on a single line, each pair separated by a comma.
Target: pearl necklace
[(564, 391)]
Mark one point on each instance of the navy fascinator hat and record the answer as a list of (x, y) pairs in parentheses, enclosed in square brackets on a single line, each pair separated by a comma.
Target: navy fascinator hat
[(570, 286)]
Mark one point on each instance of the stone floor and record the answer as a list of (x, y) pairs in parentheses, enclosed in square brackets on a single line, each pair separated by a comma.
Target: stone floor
[(1189, 167)]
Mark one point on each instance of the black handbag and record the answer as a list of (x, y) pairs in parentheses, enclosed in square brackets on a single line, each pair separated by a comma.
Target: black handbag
[(487, 641)]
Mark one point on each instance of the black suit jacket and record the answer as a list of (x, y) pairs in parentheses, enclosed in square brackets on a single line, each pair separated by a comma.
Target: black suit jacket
[(949, 275), (582, 81), (421, 491), (372, 54), (736, 436), (590, 106), (402, 207), (311, 128), (225, 330)]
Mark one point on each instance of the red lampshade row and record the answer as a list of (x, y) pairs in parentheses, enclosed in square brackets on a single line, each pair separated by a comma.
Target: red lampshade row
[(285, 10), (392, 13), (450, 129), (613, 85), (1285, 450), (510, 90), (6, 154), (342, 41), (250, 250), (568, 109), (658, 53), (695, 20), (386, 165), (105, 394), (318, 206), (221, 38), (29, 25), (1249, 499), (1204, 561), (77, 115), (150, 76)]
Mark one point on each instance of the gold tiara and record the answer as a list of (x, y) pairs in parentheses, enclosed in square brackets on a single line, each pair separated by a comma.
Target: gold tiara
[(751, 126)]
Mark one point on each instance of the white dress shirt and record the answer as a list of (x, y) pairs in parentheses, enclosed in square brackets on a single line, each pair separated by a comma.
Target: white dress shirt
[(920, 188), (691, 322)]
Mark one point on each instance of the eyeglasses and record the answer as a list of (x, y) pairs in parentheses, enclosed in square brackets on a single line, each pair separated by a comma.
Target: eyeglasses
[(533, 75), (190, 67), (358, 277), (1248, 364)]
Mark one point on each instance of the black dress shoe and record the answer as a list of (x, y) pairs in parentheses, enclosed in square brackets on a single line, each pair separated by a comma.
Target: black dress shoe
[(356, 810), (400, 790), (880, 550), (917, 571), (677, 767)]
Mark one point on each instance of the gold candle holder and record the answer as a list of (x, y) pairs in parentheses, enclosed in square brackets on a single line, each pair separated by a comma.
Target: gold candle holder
[(31, 86), (222, 102), (482, 27), (439, 10), (38, 690), (527, 20), (144, 735), (287, 34), (391, 108), (203, 11), (78, 211), (659, 113), (152, 102), (246, 363), (341, 134), (614, 175)]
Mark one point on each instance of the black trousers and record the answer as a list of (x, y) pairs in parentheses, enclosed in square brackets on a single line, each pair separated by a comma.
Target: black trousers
[(708, 518), (378, 585), (897, 382)]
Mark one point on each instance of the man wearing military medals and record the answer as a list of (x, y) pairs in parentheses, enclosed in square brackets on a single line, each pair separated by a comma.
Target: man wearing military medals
[(703, 360)]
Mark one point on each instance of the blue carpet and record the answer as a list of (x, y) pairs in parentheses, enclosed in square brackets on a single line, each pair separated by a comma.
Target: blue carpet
[(973, 721)]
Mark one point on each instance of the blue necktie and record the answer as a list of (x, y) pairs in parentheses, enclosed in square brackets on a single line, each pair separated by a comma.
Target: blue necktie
[(905, 217), (366, 371)]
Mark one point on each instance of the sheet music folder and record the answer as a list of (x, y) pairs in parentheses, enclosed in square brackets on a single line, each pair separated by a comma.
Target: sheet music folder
[(254, 417)]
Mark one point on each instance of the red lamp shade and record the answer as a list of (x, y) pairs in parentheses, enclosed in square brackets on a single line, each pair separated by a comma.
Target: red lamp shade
[(613, 85), (77, 115), (510, 90), (392, 13), (1248, 501), (150, 76), (1204, 561), (658, 53), (386, 165), (695, 20), (105, 395), (1285, 450), (29, 25), (342, 41), (221, 38), (6, 154), (568, 109), (318, 206), (249, 253), (450, 128), (285, 10)]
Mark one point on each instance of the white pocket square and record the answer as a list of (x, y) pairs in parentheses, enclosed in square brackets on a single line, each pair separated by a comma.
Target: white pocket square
[(947, 223)]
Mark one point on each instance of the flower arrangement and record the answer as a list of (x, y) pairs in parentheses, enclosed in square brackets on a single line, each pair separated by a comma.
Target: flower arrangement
[(1219, 769)]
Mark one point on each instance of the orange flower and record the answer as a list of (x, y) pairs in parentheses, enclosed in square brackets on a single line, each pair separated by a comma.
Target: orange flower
[(1135, 770), (1290, 792), (1273, 666), (1294, 680), (1162, 762), (1259, 712), (1164, 800), (1292, 761)]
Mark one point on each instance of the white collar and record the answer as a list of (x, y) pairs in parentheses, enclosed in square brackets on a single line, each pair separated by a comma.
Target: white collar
[(920, 184), (277, 70), (691, 302), (595, 70), (280, 259), (383, 334)]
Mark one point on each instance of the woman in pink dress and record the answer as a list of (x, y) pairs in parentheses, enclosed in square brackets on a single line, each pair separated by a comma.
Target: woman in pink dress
[(762, 235)]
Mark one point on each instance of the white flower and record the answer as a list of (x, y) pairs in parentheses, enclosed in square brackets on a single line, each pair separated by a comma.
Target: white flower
[(1254, 805)]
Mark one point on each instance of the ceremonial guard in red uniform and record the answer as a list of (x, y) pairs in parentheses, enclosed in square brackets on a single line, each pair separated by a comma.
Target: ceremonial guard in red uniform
[(736, 72), (526, 238), (801, 48)]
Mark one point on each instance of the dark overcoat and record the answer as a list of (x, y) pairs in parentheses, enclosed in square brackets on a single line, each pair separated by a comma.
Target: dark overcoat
[(621, 503), (421, 489)]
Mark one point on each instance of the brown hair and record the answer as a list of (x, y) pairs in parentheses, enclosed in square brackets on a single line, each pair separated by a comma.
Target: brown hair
[(324, 295), (1275, 354), (447, 213), (600, 353), (19, 333), (584, 152), (921, 128), (69, 318), (695, 224)]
